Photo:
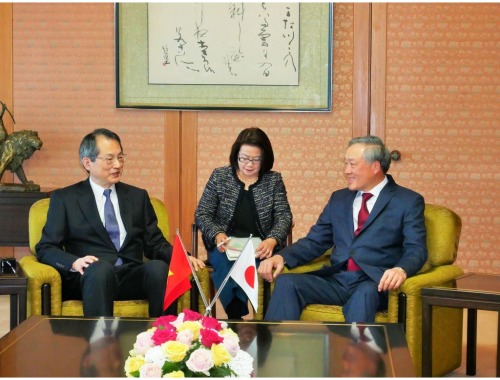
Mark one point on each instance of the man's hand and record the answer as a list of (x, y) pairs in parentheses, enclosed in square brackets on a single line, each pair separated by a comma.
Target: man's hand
[(80, 264), (196, 263), (267, 266), (265, 248), (392, 279)]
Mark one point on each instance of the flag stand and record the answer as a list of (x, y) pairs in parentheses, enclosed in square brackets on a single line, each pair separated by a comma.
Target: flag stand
[(208, 310), (193, 272)]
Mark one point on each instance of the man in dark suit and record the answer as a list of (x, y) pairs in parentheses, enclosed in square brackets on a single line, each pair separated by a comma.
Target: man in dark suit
[(368, 259), (97, 265)]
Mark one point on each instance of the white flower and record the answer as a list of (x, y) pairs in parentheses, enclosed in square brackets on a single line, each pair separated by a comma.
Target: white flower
[(179, 321), (242, 364), (156, 356)]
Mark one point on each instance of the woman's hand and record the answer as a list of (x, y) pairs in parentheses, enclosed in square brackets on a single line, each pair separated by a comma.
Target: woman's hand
[(221, 241), (265, 248)]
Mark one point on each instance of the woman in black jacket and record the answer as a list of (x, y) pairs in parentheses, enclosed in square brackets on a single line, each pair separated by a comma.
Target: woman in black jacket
[(240, 199)]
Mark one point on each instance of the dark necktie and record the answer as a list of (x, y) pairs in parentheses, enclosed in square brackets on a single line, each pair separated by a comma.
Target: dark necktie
[(363, 212), (362, 216), (110, 222)]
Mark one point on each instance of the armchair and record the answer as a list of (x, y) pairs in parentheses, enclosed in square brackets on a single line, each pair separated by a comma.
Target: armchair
[(405, 304), (44, 282)]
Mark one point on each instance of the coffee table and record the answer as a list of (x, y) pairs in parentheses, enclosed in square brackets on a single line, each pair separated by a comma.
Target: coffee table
[(59, 347), (471, 291), (15, 285)]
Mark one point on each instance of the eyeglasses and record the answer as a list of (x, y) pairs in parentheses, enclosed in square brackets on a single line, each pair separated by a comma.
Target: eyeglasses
[(110, 160), (246, 160)]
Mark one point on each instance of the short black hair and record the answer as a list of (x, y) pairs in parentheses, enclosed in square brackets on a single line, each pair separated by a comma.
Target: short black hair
[(88, 146), (256, 137)]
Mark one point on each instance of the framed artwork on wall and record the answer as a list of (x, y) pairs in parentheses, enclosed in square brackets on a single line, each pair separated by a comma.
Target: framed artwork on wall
[(224, 56)]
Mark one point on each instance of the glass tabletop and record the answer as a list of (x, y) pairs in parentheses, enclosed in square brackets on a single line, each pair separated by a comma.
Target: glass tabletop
[(68, 347)]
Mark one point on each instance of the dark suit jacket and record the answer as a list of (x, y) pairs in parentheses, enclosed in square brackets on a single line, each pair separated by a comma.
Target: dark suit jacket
[(74, 228), (394, 234)]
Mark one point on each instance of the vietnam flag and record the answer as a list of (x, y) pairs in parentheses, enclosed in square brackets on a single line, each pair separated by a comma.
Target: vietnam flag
[(178, 275), (244, 273)]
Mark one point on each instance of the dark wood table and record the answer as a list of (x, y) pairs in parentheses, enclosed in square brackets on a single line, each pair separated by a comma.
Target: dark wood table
[(61, 347), (15, 285), (14, 211), (472, 292)]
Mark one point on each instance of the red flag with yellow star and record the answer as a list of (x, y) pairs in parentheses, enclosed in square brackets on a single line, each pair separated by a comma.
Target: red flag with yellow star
[(178, 275)]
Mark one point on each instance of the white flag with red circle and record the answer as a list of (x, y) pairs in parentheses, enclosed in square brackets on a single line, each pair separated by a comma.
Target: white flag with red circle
[(244, 272)]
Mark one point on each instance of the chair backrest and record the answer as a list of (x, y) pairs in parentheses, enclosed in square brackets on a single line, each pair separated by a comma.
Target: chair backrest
[(443, 234), (36, 221), (38, 217)]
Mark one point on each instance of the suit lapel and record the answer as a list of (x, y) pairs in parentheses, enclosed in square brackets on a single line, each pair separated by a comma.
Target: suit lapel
[(383, 199), (88, 207), (350, 212), (124, 201)]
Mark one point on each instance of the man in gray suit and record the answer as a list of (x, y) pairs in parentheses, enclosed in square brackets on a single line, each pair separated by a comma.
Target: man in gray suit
[(378, 235), (98, 247)]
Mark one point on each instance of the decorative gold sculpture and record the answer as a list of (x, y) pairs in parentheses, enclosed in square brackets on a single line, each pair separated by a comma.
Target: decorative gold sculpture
[(14, 149)]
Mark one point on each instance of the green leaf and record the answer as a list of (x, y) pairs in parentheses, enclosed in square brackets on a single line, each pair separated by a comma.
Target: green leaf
[(170, 367), (221, 371)]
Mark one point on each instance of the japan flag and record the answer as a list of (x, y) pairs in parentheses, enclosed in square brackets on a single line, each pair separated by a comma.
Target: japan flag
[(244, 272)]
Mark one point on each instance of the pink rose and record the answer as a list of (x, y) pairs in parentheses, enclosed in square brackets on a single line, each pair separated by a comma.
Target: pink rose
[(209, 337), (190, 315), (185, 336), (200, 361), (211, 323), (163, 335), (232, 345), (150, 370), (164, 320), (143, 343)]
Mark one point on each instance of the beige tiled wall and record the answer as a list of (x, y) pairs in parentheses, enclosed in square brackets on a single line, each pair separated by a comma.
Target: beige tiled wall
[(441, 113)]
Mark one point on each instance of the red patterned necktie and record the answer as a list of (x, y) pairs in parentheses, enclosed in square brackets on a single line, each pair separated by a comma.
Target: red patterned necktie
[(363, 212), (362, 216)]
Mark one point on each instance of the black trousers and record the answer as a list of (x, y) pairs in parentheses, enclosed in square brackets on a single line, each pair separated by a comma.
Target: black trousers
[(102, 283)]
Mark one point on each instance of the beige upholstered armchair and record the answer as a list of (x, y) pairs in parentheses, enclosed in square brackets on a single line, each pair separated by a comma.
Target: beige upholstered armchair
[(405, 304), (44, 282)]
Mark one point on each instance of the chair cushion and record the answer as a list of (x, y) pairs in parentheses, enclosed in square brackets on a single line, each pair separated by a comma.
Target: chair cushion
[(131, 308), (332, 313)]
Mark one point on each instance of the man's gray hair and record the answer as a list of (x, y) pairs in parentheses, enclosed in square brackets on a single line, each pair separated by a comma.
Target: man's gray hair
[(377, 151)]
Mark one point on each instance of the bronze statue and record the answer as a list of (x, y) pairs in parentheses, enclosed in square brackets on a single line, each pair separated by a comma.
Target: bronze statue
[(14, 149)]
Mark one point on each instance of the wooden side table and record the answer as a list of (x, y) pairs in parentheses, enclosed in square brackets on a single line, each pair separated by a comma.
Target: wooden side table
[(15, 285), (14, 210), (471, 291)]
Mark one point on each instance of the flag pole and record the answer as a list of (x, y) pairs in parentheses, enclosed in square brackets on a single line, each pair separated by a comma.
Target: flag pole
[(209, 308), (192, 270)]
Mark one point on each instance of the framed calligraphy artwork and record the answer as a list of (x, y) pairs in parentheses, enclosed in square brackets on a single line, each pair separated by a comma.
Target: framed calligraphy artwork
[(223, 56)]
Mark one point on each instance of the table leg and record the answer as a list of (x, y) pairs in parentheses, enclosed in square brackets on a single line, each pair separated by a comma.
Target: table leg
[(22, 302), (14, 302), (426, 338), (498, 346), (471, 342)]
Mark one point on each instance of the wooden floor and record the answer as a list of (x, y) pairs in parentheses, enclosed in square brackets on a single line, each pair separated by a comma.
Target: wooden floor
[(486, 336)]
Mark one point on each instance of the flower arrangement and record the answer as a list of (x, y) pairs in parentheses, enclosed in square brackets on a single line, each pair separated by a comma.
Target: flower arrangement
[(188, 345)]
